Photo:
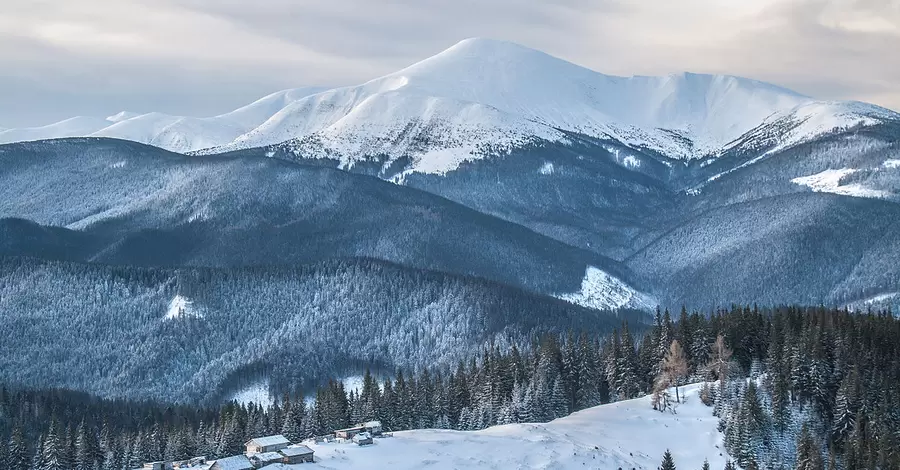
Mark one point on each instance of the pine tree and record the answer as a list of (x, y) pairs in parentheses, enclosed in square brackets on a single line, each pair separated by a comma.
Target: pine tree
[(292, 426), (84, 453), (37, 459), (667, 462), (809, 457), (53, 450), (17, 452), (705, 465)]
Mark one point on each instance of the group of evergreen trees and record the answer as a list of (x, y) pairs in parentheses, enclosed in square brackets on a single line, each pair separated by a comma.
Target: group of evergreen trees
[(804, 404)]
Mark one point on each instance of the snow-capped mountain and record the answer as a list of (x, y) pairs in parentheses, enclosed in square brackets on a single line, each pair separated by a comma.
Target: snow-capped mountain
[(483, 97), (175, 133)]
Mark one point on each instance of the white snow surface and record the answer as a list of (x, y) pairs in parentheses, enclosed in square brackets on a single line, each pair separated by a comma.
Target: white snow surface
[(601, 290), (484, 97), (175, 133), (812, 120), (181, 307), (627, 434), (891, 164), (257, 393), (830, 181)]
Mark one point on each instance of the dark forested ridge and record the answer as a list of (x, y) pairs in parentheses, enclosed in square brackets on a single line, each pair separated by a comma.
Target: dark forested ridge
[(183, 334), (117, 202), (798, 388)]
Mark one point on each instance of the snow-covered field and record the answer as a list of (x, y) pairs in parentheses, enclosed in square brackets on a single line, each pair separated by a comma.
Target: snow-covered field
[(627, 434)]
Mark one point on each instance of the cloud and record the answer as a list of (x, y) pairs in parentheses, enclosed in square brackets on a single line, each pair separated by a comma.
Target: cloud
[(207, 56)]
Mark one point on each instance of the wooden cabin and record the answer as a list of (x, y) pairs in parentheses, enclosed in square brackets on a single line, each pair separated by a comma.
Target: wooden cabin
[(348, 433), (371, 427), (237, 462), (363, 439), (297, 454), (266, 458), (266, 444), (158, 466)]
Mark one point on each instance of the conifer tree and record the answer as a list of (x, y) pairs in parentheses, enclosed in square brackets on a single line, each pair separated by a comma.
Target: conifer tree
[(809, 457), (17, 452), (84, 453), (667, 462), (53, 449)]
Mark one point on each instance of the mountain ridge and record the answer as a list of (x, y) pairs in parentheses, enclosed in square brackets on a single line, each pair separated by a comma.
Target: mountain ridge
[(483, 97)]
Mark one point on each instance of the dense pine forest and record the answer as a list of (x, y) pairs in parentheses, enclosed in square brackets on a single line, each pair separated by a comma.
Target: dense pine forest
[(804, 388)]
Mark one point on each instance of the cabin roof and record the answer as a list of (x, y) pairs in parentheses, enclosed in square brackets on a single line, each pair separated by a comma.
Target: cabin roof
[(266, 441), (267, 456), (296, 450), (237, 462)]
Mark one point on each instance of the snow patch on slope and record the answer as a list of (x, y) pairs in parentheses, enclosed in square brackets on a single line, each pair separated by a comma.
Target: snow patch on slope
[(181, 307), (626, 434), (600, 290), (890, 164), (257, 393), (829, 181), (815, 119)]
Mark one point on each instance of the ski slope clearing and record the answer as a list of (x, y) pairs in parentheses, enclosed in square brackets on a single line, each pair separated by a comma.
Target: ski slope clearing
[(627, 434)]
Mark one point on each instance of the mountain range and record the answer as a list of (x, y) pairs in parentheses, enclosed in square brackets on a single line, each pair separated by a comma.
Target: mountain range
[(488, 162)]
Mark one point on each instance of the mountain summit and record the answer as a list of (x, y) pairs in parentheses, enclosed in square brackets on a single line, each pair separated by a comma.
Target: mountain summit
[(482, 97)]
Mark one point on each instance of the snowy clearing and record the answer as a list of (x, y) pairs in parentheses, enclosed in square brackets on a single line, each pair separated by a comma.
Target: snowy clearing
[(600, 290), (829, 181), (627, 434)]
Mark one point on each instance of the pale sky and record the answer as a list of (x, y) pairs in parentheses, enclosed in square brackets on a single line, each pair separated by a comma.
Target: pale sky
[(61, 58)]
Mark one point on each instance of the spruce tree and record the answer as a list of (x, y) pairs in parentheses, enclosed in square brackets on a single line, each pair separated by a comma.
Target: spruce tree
[(17, 452), (809, 457), (667, 462), (54, 449), (84, 452)]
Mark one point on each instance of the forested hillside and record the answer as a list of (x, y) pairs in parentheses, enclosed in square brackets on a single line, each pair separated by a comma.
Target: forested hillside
[(183, 334), (792, 387)]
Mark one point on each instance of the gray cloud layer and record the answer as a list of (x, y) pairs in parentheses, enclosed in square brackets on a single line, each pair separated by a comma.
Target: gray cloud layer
[(201, 57)]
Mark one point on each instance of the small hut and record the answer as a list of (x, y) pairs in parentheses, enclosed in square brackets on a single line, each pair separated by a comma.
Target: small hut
[(297, 454), (237, 462), (266, 444), (362, 439)]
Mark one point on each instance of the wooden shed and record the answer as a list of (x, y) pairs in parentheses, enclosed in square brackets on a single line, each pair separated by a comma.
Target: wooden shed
[(237, 462), (297, 454), (266, 444), (363, 439)]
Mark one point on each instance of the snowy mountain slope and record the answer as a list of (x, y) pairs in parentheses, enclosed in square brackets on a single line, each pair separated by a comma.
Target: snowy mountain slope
[(809, 121), (72, 127), (680, 115), (297, 325), (175, 133), (482, 97), (142, 206), (626, 434)]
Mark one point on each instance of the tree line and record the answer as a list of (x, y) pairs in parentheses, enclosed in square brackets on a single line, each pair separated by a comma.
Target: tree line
[(786, 383)]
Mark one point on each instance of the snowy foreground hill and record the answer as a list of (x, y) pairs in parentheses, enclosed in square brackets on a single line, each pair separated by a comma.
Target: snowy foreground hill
[(627, 434)]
